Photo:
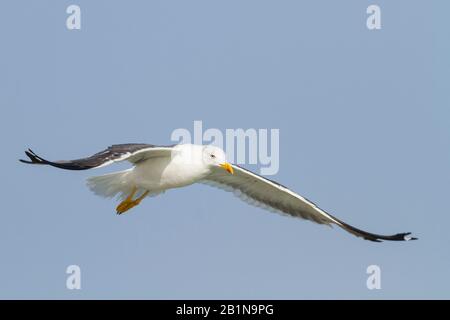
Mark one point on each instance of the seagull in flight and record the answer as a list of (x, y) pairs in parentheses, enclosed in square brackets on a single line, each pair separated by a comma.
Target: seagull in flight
[(159, 168)]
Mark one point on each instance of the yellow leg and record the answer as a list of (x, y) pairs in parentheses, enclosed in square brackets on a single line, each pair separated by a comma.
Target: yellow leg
[(129, 203)]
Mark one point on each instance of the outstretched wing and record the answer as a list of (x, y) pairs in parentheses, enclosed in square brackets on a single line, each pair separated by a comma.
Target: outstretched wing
[(269, 194), (132, 152)]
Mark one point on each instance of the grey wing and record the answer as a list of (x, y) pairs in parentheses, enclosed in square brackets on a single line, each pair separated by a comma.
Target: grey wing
[(132, 152), (261, 191)]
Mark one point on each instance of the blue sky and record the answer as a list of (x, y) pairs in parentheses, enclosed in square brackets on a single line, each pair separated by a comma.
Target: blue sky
[(364, 133)]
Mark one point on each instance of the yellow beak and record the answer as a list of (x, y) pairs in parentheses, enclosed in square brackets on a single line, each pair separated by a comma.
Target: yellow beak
[(227, 167)]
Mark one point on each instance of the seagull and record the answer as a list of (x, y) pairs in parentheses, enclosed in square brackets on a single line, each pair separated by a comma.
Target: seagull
[(159, 168)]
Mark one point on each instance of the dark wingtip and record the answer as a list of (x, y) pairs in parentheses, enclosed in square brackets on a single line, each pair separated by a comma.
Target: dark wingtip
[(406, 236), (35, 159)]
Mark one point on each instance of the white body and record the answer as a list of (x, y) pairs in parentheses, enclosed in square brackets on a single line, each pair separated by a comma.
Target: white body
[(186, 165)]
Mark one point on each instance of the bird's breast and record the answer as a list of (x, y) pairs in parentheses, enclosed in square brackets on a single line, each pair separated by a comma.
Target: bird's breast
[(162, 174)]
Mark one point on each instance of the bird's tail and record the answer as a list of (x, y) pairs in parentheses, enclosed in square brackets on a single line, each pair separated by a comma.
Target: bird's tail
[(112, 184)]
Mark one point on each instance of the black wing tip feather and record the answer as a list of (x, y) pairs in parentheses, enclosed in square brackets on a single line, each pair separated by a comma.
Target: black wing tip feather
[(406, 236), (35, 159)]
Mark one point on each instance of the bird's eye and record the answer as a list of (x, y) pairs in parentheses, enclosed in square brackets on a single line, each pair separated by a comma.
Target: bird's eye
[(213, 156)]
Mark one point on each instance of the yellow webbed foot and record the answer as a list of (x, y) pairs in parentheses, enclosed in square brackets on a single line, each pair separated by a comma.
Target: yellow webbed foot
[(129, 203)]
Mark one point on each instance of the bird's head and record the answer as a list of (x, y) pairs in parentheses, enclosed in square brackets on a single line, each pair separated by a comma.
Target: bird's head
[(215, 156)]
